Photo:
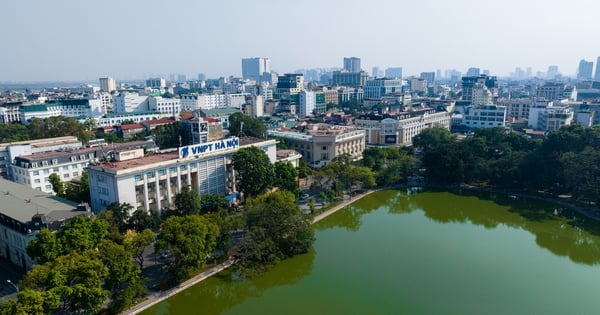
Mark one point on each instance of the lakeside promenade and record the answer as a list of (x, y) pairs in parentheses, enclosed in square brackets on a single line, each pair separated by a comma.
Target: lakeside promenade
[(159, 296)]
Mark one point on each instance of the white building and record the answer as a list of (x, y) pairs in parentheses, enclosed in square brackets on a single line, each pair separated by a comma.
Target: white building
[(10, 112), (77, 108), (128, 102), (107, 84), (486, 116), (320, 143), (307, 103), (156, 83), (33, 170), (152, 181), (516, 108), (9, 151), (379, 87), (170, 107), (550, 117)]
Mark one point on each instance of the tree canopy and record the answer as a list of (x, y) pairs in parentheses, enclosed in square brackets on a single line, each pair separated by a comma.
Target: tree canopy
[(254, 170), (253, 127)]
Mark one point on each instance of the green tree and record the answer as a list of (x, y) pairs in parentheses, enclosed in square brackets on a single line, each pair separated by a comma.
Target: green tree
[(13, 132), (276, 229), (135, 243), (120, 214), (45, 247), (8, 307), (187, 202), (57, 185), (254, 171), (124, 281), (81, 233), (70, 284), (141, 220), (212, 203), (286, 177), (189, 239), (253, 127), (58, 126)]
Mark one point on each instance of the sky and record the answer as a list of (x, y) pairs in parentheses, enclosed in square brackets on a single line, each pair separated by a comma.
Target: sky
[(75, 40)]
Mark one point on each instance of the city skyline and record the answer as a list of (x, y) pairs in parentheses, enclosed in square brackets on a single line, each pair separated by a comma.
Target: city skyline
[(69, 40)]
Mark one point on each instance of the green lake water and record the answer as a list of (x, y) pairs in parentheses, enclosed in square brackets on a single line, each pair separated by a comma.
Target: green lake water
[(409, 252)]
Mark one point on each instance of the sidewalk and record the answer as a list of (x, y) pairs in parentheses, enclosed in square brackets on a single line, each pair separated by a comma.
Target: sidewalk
[(160, 296)]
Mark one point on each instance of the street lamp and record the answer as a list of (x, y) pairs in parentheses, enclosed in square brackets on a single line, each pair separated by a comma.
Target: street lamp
[(14, 285)]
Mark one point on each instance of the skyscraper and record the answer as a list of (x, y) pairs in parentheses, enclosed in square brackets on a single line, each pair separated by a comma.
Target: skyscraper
[(597, 74), (393, 73), (107, 84), (585, 70), (253, 68), (352, 64), (473, 72)]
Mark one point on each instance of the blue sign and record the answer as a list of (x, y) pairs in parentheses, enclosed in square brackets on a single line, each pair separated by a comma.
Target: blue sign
[(209, 147)]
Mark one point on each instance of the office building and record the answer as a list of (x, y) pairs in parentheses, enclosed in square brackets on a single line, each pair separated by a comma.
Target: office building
[(151, 182), (484, 116), (350, 79), (429, 77), (107, 84), (473, 72), (597, 74), (379, 87), (253, 68), (352, 64), (156, 83), (393, 73), (320, 143), (584, 72), (469, 82)]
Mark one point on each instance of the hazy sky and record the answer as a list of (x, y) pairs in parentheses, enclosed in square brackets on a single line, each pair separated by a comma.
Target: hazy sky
[(129, 39)]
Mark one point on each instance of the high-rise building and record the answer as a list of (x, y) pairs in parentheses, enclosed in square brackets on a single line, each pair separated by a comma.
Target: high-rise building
[(473, 72), (597, 74), (253, 68), (156, 83), (552, 72), (376, 72), (393, 73), (107, 84), (428, 76), (584, 72), (352, 64)]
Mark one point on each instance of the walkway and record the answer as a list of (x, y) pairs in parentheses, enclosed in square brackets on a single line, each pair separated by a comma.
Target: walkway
[(345, 203), (160, 296)]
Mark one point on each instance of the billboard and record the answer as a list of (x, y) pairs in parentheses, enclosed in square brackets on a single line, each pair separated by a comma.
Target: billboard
[(209, 147)]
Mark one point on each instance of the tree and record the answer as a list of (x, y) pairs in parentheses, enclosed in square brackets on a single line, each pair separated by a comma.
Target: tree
[(141, 220), (45, 247), (57, 185), (121, 212), (187, 202), (212, 203), (58, 126), (81, 233), (254, 171), (253, 127), (189, 239), (70, 284), (13, 132), (124, 281), (135, 243), (276, 229), (286, 177)]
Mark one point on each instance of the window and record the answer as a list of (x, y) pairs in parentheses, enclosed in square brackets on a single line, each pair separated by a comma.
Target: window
[(55, 170), (162, 172), (183, 167), (48, 187), (65, 168), (46, 179), (138, 177), (36, 181), (47, 171), (36, 173), (75, 174), (150, 174), (74, 166)]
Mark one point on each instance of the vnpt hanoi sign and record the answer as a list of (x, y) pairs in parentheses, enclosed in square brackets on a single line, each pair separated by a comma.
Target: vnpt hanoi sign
[(209, 147)]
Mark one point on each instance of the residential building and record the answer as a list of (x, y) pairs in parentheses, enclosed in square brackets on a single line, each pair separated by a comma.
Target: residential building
[(107, 84), (428, 76), (418, 85), (469, 82), (516, 108), (320, 143), (151, 182), (473, 72), (114, 119), (23, 212), (548, 116), (222, 114), (306, 103), (485, 116)]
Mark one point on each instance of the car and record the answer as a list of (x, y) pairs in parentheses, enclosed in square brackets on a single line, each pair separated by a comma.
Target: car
[(165, 255)]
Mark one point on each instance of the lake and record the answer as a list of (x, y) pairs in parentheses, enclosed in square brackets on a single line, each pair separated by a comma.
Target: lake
[(423, 252)]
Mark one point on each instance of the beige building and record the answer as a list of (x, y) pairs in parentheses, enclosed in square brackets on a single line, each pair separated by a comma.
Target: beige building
[(320, 143)]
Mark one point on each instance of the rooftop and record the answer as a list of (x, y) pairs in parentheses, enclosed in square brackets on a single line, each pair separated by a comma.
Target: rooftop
[(21, 203)]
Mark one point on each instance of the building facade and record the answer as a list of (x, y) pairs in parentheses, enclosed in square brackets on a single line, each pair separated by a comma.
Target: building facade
[(320, 143), (151, 182), (485, 116), (107, 84), (379, 87)]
